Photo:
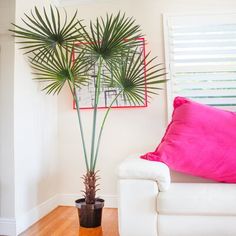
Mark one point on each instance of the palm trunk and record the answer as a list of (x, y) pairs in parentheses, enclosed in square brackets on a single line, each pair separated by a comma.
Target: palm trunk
[(90, 179)]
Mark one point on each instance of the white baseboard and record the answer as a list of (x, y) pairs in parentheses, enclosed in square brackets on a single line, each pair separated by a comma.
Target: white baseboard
[(69, 200), (32, 216), (7, 227)]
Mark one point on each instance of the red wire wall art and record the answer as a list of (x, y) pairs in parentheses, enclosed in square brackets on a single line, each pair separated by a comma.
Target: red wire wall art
[(86, 93)]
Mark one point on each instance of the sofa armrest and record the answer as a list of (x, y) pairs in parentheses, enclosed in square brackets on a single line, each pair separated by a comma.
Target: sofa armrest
[(139, 184), (134, 167)]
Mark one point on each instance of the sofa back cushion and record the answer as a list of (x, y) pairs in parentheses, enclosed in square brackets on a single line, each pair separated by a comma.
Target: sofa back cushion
[(200, 140)]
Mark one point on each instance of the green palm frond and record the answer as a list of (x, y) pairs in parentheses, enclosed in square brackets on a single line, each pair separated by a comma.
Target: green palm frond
[(61, 68), (110, 37), (42, 34), (137, 77)]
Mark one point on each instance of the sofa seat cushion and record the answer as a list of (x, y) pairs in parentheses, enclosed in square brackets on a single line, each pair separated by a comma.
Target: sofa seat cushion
[(198, 199)]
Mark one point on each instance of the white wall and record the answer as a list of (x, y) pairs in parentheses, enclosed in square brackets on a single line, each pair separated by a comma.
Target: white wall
[(6, 112), (128, 130), (35, 122), (7, 205)]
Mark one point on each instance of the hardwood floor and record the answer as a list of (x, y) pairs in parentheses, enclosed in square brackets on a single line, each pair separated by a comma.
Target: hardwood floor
[(63, 221)]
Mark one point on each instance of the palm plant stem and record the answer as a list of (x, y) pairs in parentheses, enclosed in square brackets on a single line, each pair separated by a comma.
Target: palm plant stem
[(75, 97), (95, 108), (101, 130)]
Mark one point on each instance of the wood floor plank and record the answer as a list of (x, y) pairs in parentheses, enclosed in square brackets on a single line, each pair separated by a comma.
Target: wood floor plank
[(63, 221)]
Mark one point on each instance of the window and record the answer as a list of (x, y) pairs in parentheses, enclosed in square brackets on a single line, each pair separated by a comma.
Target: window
[(201, 58)]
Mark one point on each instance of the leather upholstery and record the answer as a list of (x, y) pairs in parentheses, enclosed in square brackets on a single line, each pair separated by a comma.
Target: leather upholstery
[(137, 207), (180, 209), (196, 225), (144, 169), (198, 199)]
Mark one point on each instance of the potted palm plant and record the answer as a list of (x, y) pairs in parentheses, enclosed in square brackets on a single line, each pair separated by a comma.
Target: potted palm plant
[(51, 44)]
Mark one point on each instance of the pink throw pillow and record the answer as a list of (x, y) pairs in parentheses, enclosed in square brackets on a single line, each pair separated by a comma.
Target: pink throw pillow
[(200, 141)]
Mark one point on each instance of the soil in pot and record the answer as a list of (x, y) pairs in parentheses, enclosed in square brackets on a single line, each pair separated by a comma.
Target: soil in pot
[(90, 215)]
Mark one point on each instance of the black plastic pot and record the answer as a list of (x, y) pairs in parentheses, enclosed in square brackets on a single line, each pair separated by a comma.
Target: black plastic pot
[(90, 215)]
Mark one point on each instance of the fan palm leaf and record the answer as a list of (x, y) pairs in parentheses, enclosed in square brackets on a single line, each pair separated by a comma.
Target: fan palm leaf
[(61, 68), (42, 33), (136, 76), (110, 37)]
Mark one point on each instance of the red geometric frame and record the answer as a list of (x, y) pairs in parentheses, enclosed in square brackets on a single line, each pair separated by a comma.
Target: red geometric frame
[(128, 106)]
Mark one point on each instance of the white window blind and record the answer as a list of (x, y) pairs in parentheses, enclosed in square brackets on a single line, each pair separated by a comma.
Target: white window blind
[(201, 55)]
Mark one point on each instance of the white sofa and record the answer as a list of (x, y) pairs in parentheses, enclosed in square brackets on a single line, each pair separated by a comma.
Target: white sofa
[(152, 205)]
